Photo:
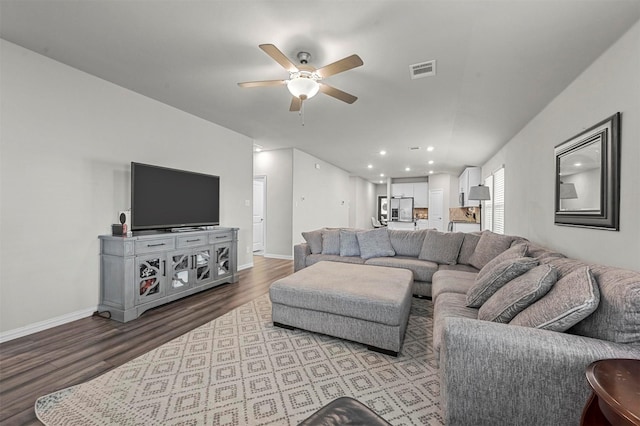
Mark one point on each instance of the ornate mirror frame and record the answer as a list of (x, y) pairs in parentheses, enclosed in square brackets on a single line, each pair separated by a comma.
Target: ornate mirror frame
[(600, 146)]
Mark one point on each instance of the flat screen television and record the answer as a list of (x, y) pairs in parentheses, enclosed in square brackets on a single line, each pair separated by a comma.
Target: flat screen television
[(163, 198)]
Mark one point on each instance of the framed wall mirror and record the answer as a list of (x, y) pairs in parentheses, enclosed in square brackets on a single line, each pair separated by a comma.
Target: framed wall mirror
[(588, 177)]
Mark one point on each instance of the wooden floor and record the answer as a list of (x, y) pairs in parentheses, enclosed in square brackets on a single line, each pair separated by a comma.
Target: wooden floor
[(73, 353)]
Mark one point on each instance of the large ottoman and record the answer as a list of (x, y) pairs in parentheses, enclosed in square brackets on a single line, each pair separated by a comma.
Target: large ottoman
[(366, 304)]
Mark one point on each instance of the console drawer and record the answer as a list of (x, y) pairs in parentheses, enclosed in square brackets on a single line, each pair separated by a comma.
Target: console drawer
[(192, 240), (217, 238), (157, 244)]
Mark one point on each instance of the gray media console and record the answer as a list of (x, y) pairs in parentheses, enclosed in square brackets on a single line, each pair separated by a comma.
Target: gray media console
[(141, 272)]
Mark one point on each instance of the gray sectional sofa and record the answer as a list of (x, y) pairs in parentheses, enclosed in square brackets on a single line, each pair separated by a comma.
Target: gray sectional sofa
[(518, 357)]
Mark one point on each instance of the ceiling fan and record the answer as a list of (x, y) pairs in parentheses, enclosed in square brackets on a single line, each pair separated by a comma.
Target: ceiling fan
[(304, 81)]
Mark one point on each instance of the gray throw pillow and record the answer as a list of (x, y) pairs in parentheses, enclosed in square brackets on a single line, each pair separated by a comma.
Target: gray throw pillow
[(407, 243), (349, 243), (441, 247), (489, 246), (573, 298), (468, 247), (375, 243), (518, 294), (483, 288), (519, 250), (314, 239), (330, 241)]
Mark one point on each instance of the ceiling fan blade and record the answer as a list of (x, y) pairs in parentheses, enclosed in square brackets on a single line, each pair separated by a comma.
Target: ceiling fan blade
[(279, 57), (342, 65), (296, 104), (337, 93), (263, 83)]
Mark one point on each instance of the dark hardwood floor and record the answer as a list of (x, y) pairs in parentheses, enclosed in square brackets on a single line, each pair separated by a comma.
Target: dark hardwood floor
[(63, 356)]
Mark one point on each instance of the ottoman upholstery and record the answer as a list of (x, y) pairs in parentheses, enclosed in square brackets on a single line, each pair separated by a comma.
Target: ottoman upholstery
[(366, 304)]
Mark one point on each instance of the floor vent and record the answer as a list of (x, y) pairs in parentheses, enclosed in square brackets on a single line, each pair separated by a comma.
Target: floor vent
[(423, 69)]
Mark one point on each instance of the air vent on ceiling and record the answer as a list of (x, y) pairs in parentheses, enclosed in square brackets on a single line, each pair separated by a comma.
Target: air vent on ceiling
[(423, 69)]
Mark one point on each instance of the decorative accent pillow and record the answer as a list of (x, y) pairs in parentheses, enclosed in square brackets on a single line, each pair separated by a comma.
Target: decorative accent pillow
[(518, 294), (314, 239), (375, 243), (441, 247), (489, 246), (483, 288), (468, 247), (330, 241), (407, 243), (519, 250), (572, 299), (349, 243)]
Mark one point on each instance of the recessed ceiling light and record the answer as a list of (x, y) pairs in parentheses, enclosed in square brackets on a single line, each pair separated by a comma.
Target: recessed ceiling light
[(430, 161), (430, 148), (383, 152), (381, 181), (381, 174), (370, 166), (430, 172), (577, 164), (407, 169)]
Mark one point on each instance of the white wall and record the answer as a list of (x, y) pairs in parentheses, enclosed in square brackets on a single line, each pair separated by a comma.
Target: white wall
[(362, 204), (609, 85), (67, 139), (277, 166), (320, 195)]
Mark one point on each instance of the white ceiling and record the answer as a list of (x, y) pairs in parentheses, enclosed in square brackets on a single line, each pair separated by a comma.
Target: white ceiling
[(499, 63)]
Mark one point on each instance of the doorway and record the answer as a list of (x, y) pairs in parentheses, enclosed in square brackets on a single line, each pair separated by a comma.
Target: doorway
[(436, 209), (259, 210)]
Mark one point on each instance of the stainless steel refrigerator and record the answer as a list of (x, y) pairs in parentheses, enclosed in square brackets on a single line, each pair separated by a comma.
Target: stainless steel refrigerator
[(402, 209)]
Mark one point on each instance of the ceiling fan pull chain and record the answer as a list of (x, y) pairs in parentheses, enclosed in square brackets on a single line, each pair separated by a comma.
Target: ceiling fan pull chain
[(302, 114)]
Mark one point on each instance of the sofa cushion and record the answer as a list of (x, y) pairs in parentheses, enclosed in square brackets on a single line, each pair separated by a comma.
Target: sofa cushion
[(375, 243), (519, 250), (312, 259), (451, 281), (489, 246), (458, 267), (349, 243), (484, 287), (422, 270), (468, 247), (518, 294), (448, 305), (331, 241), (441, 247), (570, 300), (617, 317), (314, 239), (407, 243)]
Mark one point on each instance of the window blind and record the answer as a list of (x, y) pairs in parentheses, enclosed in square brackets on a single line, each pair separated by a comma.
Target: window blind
[(498, 201), (487, 208)]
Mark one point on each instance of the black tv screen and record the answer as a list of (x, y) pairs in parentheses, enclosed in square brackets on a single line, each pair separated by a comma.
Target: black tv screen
[(163, 198)]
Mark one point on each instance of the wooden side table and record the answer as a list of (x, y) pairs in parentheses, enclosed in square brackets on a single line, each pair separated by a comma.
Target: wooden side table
[(616, 393)]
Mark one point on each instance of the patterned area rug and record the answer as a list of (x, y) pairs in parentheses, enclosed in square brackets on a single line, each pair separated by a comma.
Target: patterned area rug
[(241, 370)]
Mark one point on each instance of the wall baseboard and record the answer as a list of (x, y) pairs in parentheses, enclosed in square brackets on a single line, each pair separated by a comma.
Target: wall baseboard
[(245, 266), (278, 256), (44, 325)]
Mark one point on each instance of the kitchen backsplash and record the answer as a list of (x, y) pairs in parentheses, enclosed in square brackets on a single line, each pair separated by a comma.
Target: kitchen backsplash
[(421, 213), (464, 214)]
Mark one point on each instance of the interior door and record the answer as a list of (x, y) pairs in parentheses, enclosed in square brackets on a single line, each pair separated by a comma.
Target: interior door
[(436, 209), (258, 213)]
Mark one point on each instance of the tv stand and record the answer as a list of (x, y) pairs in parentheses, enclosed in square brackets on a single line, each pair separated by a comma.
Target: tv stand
[(148, 270), (185, 229)]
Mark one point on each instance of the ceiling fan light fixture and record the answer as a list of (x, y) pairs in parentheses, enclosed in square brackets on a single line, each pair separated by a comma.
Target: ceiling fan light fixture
[(303, 85)]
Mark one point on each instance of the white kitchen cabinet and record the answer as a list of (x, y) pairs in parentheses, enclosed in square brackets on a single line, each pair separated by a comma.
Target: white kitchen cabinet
[(420, 195), (422, 224), (472, 176), (404, 226), (402, 190)]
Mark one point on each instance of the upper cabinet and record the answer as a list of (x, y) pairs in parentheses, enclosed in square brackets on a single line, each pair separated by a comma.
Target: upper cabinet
[(421, 195), (418, 190), (402, 190), (471, 176)]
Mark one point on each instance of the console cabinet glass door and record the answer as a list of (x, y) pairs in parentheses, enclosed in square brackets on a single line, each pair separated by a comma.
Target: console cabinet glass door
[(203, 265), (223, 259), (150, 278), (180, 271)]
